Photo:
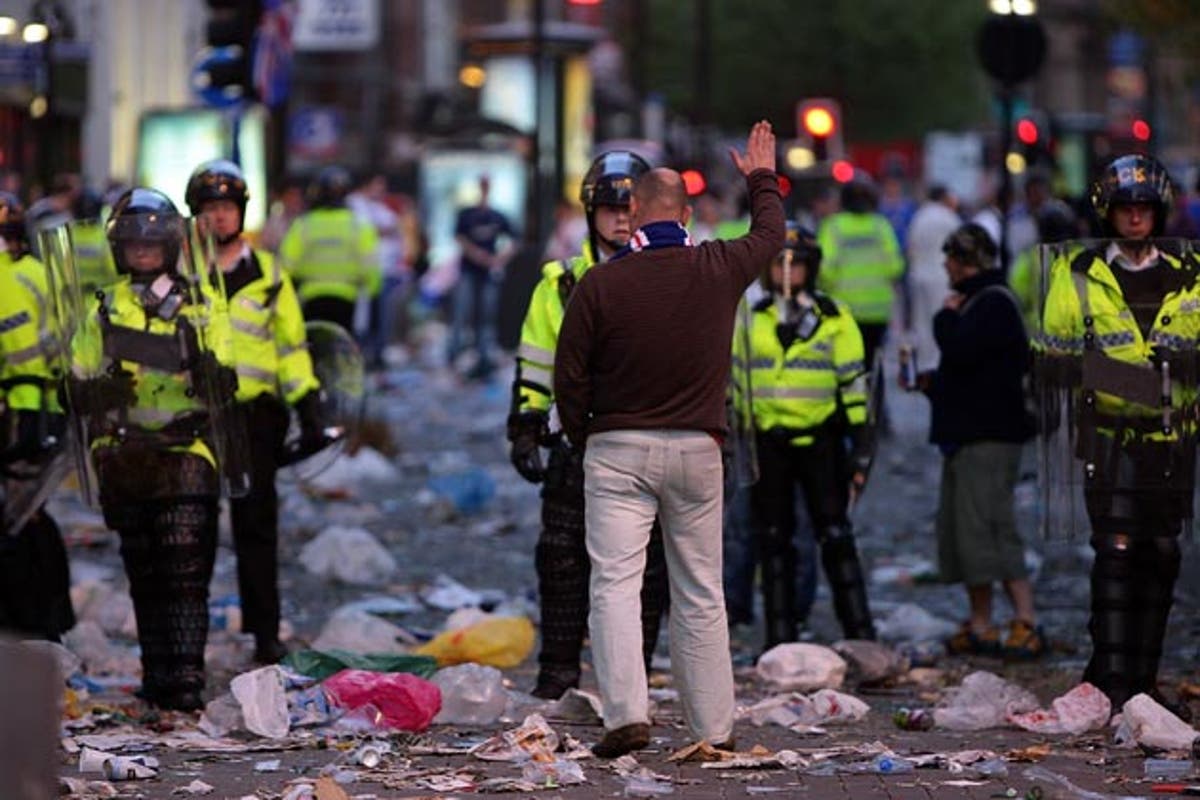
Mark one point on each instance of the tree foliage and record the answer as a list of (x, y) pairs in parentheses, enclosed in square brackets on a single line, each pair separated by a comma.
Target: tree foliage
[(898, 67)]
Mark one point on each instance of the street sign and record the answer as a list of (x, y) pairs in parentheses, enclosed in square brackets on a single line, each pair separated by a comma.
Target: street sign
[(336, 24)]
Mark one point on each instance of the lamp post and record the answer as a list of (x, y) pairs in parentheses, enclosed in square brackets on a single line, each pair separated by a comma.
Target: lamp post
[(1011, 47)]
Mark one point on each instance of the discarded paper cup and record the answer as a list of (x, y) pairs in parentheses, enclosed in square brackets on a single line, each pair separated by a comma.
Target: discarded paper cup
[(118, 768), (369, 756)]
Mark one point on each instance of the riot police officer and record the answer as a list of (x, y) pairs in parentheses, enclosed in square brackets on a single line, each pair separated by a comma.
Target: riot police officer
[(330, 253), (1117, 365), (561, 559), (808, 398), (274, 371), (34, 575), (151, 394)]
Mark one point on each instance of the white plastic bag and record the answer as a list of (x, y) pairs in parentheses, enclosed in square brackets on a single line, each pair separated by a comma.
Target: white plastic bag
[(1082, 709), (1146, 722), (911, 623), (359, 632), (263, 699), (799, 712), (801, 667), (983, 701), (472, 694), (349, 555)]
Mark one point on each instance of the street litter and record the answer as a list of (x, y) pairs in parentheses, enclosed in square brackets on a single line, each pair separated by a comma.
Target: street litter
[(349, 555), (196, 787), (320, 664), (448, 594), (468, 491), (115, 767), (905, 572), (871, 662), (357, 631), (1147, 723), (352, 470), (982, 701), (222, 715), (801, 667), (502, 642), (800, 712), (403, 701), (77, 787), (1082, 709), (533, 738), (1069, 789), (271, 765), (100, 656), (472, 694), (645, 783), (549, 774), (576, 705), (909, 622), (263, 700)]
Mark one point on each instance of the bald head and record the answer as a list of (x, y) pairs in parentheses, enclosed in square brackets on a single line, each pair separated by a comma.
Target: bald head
[(659, 195)]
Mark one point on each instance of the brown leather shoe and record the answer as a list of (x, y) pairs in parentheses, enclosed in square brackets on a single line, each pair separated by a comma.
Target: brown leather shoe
[(622, 740)]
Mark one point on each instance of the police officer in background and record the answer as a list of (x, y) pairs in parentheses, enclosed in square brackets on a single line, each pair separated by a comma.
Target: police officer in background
[(274, 371), (1117, 355), (330, 253), (34, 576), (147, 387), (808, 399), (862, 262), (561, 559)]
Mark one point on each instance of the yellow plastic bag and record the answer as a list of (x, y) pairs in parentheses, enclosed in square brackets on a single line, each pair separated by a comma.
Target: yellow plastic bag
[(500, 642)]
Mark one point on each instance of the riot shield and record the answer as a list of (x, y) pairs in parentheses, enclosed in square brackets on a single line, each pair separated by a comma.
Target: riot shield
[(146, 383), (339, 366), (1116, 394), (740, 457)]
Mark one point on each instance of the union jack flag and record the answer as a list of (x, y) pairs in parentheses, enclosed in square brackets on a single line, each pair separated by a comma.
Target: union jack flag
[(272, 64)]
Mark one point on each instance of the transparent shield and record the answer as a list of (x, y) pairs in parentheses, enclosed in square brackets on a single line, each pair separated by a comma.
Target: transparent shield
[(1116, 389), (339, 366), (145, 370), (742, 461)]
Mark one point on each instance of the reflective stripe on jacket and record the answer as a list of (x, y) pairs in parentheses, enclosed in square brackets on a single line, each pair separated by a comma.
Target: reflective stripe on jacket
[(860, 263), (29, 345), (331, 253)]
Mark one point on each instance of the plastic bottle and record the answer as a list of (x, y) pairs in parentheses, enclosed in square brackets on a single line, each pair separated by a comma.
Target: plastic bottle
[(913, 719), (892, 765)]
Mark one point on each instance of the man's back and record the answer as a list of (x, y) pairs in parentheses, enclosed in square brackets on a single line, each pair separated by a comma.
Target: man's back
[(659, 323)]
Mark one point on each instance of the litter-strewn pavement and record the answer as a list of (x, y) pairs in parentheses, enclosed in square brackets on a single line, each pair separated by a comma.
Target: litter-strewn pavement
[(412, 653)]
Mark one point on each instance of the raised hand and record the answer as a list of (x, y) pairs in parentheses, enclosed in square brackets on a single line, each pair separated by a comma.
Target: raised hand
[(760, 150)]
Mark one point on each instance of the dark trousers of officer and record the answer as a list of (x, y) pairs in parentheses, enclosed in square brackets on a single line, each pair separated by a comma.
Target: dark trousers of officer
[(164, 506), (35, 581), (1136, 502), (563, 571), (330, 309), (818, 469), (255, 519)]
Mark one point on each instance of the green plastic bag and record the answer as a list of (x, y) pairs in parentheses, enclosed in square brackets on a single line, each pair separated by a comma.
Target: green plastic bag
[(320, 664)]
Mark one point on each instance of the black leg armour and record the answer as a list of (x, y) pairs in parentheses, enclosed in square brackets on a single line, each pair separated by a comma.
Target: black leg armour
[(563, 571), (773, 514)]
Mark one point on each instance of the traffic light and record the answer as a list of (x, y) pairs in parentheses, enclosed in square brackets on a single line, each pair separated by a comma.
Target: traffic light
[(819, 124), (1035, 142), (224, 75), (693, 182)]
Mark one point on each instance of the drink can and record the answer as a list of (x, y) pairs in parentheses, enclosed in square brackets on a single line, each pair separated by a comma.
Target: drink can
[(908, 366)]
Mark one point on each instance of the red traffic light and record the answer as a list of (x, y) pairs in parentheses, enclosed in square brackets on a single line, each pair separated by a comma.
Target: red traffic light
[(693, 182), (1141, 130), (1027, 131), (843, 171)]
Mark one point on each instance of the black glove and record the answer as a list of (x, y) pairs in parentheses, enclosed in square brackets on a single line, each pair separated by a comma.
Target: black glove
[(225, 379), (859, 461), (526, 431), (312, 417), (108, 392)]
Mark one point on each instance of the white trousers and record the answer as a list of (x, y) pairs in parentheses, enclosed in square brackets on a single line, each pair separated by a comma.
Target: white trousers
[(629, 477)]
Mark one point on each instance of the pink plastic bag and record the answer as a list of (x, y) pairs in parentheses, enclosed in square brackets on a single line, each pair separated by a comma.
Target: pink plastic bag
[(1082, 709), (406, 702)]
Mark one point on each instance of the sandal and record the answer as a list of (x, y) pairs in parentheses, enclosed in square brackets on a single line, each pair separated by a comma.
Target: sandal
[(968, 642), (1024, 642)]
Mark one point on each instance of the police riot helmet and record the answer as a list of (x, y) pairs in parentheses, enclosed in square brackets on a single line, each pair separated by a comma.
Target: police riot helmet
[(329, 188), (1131, 179), (609, 182), (801, 242), (972, 245), (145, 215), (88, 205), (219, 179), (1056, 223), (859, 195), (12, 225)]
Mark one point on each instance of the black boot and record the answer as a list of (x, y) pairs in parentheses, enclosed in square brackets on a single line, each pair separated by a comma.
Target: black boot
[(839, 557), (778, 587)]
